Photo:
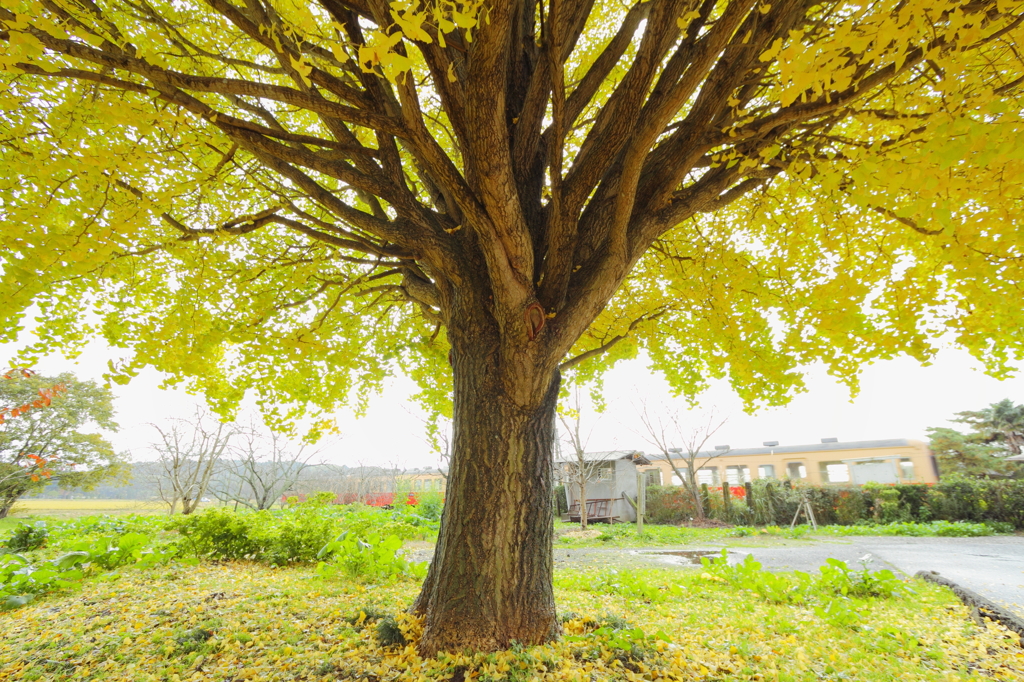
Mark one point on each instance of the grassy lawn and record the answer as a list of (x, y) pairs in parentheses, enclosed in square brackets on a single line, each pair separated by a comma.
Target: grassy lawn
[(182, 619), (625, 535), (242, 621)]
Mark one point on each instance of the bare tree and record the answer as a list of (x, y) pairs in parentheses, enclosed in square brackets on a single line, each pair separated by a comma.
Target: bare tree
[(260, 467), (576, 469), (443, 446), (679, 438), (438, 435), (324, 477), (188, 454)]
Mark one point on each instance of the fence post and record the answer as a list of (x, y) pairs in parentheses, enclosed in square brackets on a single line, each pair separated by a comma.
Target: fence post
[(750, 495), (727, 512), (641, 501), (705, 498)]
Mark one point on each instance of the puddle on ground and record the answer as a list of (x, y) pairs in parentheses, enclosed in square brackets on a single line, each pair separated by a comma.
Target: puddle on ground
[(681, 556)]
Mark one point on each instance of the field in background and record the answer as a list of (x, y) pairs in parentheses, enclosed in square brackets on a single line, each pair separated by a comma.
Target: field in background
[(74, 508)]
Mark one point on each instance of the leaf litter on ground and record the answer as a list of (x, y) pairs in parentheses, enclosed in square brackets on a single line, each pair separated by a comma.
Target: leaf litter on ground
[(246, 621)]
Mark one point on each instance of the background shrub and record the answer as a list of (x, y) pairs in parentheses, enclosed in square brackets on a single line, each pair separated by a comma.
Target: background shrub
[(298, 532), (219, 533), (429, 505), (559, 502), (27, 537), (954, 499), (669, 504)]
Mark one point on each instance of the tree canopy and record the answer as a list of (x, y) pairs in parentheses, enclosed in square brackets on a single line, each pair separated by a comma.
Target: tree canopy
[(765, 184), (296, 198), (1000, 423), (996, 432), (57, 434)]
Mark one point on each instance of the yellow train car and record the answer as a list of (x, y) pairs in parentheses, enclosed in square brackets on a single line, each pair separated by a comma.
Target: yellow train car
[(895, 460)]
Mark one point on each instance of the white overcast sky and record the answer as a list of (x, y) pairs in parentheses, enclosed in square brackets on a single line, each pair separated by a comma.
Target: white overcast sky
[(898, 399)]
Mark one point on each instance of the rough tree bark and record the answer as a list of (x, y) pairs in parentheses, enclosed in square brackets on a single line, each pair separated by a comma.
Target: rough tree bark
[(490, 582)]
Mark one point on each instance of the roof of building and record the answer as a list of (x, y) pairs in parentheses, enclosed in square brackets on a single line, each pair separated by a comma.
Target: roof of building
[(635, 456), (424, 471), (813, 447)]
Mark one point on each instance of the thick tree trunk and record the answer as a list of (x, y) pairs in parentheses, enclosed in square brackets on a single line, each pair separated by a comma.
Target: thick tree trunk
[(490, 582)]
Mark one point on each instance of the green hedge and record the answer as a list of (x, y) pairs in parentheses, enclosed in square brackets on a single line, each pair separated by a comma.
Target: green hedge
[(955, 498), (558, 500)]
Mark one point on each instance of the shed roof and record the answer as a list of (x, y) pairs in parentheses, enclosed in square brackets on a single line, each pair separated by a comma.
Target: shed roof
[(635, 456)]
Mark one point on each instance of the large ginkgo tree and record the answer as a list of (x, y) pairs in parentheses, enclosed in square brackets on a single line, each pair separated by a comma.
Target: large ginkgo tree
[(297, 198)]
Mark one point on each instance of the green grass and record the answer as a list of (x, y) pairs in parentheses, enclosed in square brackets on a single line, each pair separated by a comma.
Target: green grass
[(625, 535)]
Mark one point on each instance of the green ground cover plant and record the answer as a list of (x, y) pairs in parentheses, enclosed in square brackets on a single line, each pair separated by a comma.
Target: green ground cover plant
[(371, 558), (120, 599), (27, 536), (835, 580), (23, 577), (39, 557)]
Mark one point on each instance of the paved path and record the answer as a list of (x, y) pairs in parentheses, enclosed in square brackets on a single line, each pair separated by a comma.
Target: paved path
[(990, 566)]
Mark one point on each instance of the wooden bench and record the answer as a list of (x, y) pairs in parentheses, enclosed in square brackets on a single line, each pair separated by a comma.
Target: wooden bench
[(598, 509)]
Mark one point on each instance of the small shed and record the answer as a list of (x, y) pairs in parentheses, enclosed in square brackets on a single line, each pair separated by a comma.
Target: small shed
[(612, 478)]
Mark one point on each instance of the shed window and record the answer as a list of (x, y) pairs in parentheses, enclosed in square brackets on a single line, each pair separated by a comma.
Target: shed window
[(766, 471), (606, 472), (906, 469), (796, 471)]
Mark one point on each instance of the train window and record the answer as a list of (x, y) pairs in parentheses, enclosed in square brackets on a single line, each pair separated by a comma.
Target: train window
[(834, 472)]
